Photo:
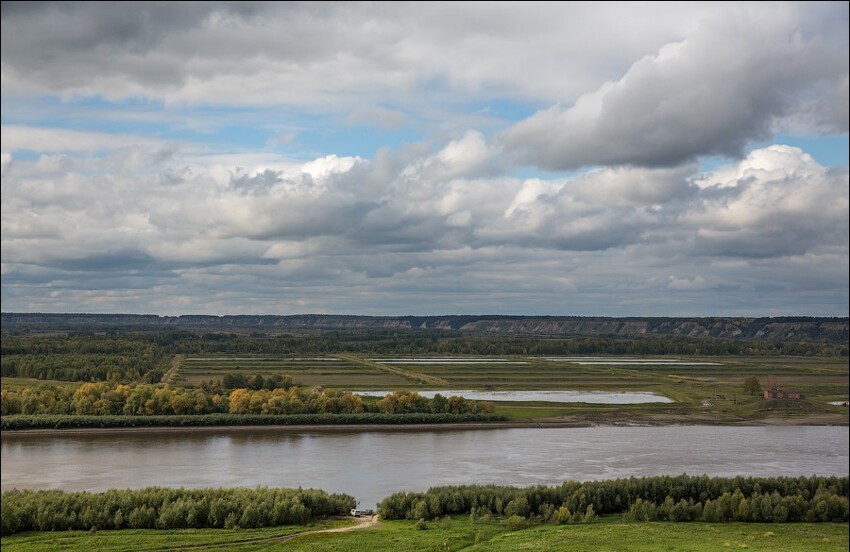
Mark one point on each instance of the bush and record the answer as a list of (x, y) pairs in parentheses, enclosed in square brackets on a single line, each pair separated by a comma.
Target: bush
[(516, 522), (562, 516)]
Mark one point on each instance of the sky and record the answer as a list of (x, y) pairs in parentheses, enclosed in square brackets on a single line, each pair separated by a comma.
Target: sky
[(555, 158)]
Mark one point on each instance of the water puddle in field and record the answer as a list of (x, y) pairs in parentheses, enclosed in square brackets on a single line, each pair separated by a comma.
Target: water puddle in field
[(592, 397), (630, 361)]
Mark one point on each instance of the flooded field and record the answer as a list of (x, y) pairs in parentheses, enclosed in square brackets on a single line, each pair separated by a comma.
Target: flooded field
[(629, 361), (592, 397)]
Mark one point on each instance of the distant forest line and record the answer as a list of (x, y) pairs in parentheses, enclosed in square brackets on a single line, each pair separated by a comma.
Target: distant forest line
[(782, 329), (145, 357)]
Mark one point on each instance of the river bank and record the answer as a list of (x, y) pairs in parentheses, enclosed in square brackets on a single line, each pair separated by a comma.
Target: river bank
[(575, 422)]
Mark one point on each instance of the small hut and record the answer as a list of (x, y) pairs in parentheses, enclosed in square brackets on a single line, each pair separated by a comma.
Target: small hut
[(775, 393)]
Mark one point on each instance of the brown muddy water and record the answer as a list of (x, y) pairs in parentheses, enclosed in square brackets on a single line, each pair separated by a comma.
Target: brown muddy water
[(372, 465)]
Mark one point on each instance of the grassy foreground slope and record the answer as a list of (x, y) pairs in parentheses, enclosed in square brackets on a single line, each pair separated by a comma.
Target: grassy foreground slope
[(606, 534)]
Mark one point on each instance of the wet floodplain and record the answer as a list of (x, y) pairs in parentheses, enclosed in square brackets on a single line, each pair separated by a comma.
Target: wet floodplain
[(590, 397)]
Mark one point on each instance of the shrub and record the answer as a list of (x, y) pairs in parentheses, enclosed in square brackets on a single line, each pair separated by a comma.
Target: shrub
[(563, 515), (516, 522)]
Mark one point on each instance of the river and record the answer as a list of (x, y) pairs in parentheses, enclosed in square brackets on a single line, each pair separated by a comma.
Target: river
[(373, 464)]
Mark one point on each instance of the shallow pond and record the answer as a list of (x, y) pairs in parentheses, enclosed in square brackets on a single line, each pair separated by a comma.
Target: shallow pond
[(593, 397)]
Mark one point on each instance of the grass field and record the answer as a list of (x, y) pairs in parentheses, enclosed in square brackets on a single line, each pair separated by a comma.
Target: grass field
[(329, 371), (18, 383), (706, 389), (607, 534), (141, 539), (533, 372)]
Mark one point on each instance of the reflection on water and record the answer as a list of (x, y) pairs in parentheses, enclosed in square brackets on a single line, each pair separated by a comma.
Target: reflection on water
[(372, 465)]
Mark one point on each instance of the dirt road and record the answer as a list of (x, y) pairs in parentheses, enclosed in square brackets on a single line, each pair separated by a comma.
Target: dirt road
[(362, 523)]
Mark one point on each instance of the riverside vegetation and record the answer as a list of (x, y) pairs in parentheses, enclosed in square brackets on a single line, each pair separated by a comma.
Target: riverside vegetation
[(162, 508), (802, 512), (106, 398), (679, 498), (663, 498)]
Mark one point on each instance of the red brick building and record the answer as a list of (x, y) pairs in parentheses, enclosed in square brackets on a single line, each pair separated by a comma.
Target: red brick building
[(776, 393)]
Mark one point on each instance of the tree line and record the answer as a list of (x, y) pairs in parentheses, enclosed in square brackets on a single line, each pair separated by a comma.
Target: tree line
[(685, 498), (663, 498), (161, 508), (111, 398), (403, 342)]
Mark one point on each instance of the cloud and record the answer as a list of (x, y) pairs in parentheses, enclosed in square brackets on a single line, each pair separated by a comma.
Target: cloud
[(212, 157), (823, 111), (416, 230), (284, 138), (725, 85), (778, 202), (20, 137), (6, 161), (350, 56), (386, 119), (695, 283)]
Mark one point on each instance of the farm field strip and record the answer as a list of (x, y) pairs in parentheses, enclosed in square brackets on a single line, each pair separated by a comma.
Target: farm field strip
[(603, 357), (450, 362), (269, 368), (417, 377), (327, 371), (691, 380), (429, 359), (641, 363), (227, 359)]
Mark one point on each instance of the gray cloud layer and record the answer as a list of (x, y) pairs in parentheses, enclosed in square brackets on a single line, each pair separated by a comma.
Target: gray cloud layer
[(312, 53), (729, 83), (94, 220)]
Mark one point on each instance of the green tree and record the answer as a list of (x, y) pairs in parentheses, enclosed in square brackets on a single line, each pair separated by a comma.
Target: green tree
[(752, 385)]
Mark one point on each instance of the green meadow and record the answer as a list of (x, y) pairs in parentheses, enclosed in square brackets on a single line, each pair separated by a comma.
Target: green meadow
[(458, 533)]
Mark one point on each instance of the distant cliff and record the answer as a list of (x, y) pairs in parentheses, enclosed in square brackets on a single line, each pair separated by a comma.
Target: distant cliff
[(832, 330)]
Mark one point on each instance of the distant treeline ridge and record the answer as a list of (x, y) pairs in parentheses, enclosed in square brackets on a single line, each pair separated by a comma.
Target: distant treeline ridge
[(799, 328)]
